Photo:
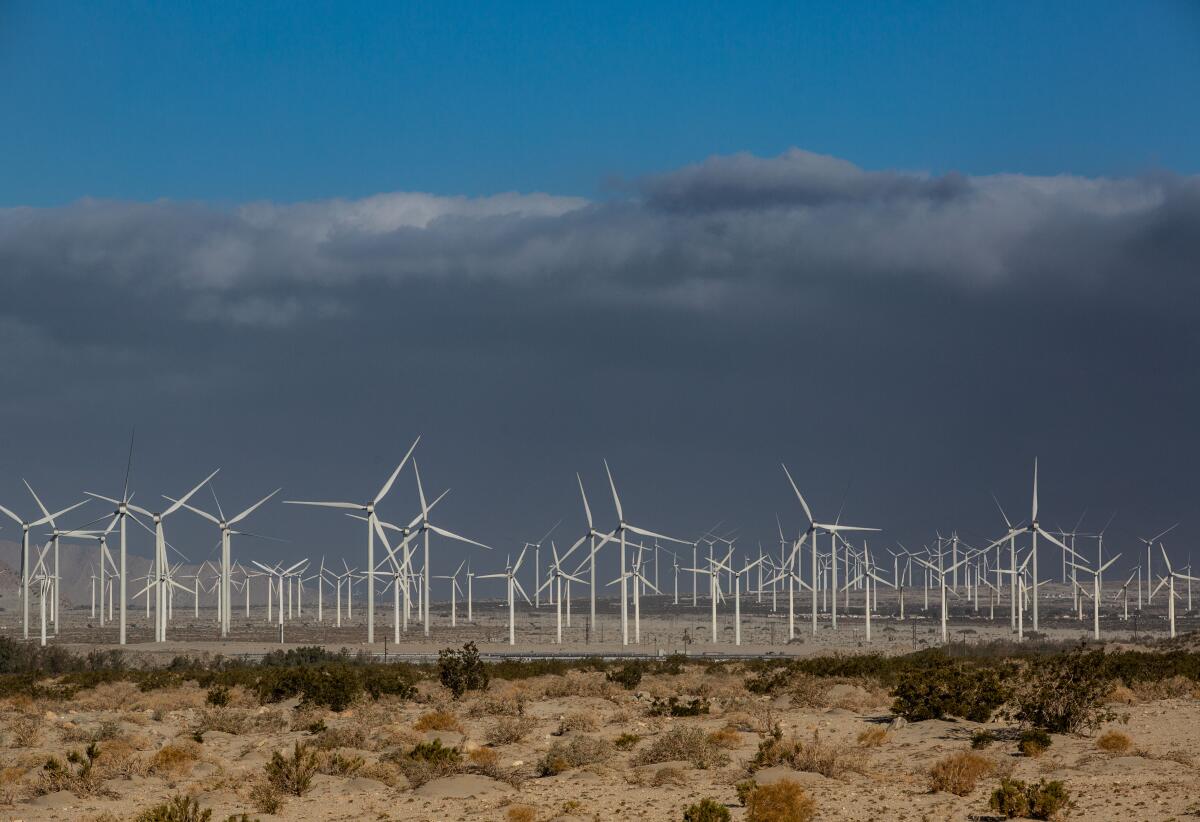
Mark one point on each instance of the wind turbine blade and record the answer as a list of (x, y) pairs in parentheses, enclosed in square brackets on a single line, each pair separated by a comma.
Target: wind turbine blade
[(387, 486), (195, 510), (1157, 537), (613, 486), (1162, 548), (98, 496), (11, 515), (452, 535), (50, 518), (520, 557), (349, 505), (517, 585), (1104, 567), (421, 491), (1033, 517), (654, 535), (36, 499), (586, 508), (799, 496), (188, 495), (253, 507)]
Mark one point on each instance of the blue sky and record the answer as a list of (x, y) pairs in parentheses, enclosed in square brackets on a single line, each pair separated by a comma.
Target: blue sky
[(234, 101)]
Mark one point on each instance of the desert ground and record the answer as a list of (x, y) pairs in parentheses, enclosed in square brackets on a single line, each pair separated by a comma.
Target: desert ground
[(618, 757)]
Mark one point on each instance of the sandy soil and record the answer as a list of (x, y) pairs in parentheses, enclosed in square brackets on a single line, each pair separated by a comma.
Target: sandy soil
[(1157, 780)]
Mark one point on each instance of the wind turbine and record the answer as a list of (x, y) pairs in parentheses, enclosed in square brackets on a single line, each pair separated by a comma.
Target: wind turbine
[(1096, 576), (635, 574), (101, 538), (869, 575), (25, 576), (557, 575), (1123, 593), (369, 508), (226, 528), (513, 585), (424, 527), (1169, 580), (941, 573), (455, 589), (833, 530), (121, 512), (1149, 543), (620, 533), (162, 569), (737, 595)]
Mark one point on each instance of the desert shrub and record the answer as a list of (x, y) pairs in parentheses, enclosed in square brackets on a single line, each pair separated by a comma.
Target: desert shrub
[(744, 789), (576, 721), (676, 707), (335, 763), (873, 737), (574, 753), (1114, 742), (685, 743), (950, 689), (174, 759), (628, 676), (461, 671), (520, 813), (726, 737), (220, 719), (1063, 693), (958, 773), (78, 774), (706, 810), (1033, 742), (339, 737), (26, 729), (484, 758), (668, 775), (783, 801), (292, 774), (426, 761), (438, 721), (813, 756), (217, 696), (1044, 800), (509, 730), (626, 741), (177, 809), (982, 738), (265, 797)]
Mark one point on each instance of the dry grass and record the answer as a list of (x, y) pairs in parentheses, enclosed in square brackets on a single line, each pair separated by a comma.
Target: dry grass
[(340, 737), (873, 737), (12, 786), (574, 753), (1122, 695), (175, 759), (1114, 742), (727, 737), (510, 729), (814, 756), (668, 776), (25, 730), (438, 721), (783, 801), (682, 743), (520, 813), (959, 773), (1173, 687), (576, 722)]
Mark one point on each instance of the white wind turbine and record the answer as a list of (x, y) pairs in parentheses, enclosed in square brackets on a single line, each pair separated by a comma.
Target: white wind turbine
[(1096, 577), (227, 530), (554, 582), (737, 588), (1169, 580), (55, 535), (620, 533), (941, 574), (513, 586), (161, 581), (1149, 543), (25, 575), (639, 579), (424, 527), (455, 590), (590, 534), (279, 573), (1123, 594), (105, 561), (834, 531), (868, 575), (369, 508), (122, 512)]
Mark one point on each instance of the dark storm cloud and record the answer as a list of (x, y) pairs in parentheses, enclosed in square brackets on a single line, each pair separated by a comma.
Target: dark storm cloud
[(924, 335)]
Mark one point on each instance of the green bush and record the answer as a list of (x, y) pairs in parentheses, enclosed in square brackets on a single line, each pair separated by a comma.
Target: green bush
[(1064, 693), (675, 707), (950, 689), (178, 809), (292, 774), (435, 753), (982, 738), (463, 670), (628, 676), (706, 810), (218, 696), (1044, 800), (1033, 742)]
